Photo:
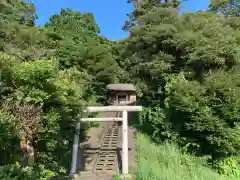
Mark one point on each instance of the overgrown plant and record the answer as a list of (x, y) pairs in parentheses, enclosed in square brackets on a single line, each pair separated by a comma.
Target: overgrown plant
[(186, 68)]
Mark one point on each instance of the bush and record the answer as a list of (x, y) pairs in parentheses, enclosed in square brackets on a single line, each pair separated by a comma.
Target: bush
[(153, 121), (16, 172), (41, 85), (9, 139), (207, 114), (166, 161), (229, 166), (203, 117)]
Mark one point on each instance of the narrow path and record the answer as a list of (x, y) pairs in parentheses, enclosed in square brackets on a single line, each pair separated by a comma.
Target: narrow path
[(102, 151), (99, 152), (107, 160)]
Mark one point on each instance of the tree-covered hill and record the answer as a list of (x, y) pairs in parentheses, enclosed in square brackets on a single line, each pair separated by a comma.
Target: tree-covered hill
[(47, 76), (186, 69)]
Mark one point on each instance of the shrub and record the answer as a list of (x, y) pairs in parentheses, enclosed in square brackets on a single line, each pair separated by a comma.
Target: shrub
[(16, 172), (166, 161), (153, 121), (207, 114), (203, 117), (41, 84), (9, 138), (228, 166)]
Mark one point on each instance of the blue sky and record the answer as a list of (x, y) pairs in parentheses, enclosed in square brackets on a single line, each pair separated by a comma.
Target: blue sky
[(109, 16)]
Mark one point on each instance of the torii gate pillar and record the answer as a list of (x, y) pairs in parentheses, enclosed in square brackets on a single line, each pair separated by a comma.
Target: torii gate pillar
[(124, 119)]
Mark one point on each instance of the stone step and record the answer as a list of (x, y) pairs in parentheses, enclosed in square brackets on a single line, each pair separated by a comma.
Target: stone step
[(95, 176)]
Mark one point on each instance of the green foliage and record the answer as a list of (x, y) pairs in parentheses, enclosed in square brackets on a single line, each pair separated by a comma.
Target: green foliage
[(73, 23), (186, 68), (216, 4), (225, 7), (16, 172), (27, 43), (228, 166), (206, 114), (153, 121), (143, 7), (47, 76), (91, 56), (17, 11), (40, 82), (166, 161), (9, 138)]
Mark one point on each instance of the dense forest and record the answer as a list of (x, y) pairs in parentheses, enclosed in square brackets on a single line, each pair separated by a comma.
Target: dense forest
[(185, 67)]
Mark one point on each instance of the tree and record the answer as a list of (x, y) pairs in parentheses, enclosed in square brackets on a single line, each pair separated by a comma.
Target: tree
[(73, 23), (226, 7), (141, 7), (187, 65), (83, 49), (56, 70), (18, 11)]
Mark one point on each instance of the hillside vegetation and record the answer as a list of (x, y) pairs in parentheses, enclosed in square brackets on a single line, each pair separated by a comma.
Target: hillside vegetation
[(186, 69), (47, 76), (167, 161)]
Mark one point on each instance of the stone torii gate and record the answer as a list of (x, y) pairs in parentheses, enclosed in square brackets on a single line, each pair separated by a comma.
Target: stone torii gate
[(124, 119)]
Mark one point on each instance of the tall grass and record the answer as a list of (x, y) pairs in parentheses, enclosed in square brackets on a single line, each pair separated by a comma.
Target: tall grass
[(166, 162)]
